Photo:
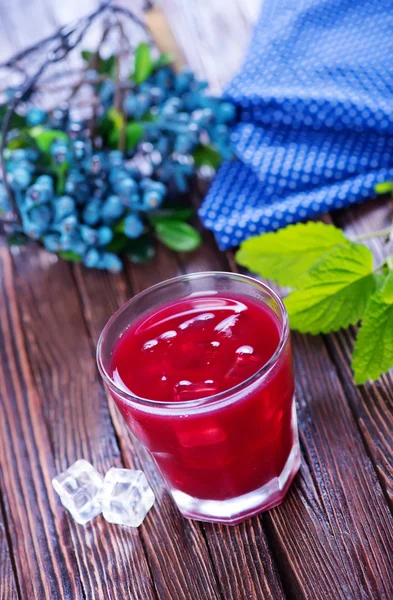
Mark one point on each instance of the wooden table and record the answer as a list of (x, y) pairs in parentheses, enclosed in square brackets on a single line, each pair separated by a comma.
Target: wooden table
[(332, 536)]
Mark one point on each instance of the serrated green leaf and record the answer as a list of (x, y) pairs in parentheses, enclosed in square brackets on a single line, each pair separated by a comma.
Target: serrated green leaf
[(178, 236), (373, 352), (335, 291), (384, 188), (143, 63), (44, 139), (285, 255), (206, 156), (70, 256)]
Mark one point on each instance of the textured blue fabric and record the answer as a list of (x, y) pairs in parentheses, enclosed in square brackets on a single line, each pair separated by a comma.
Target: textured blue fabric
[(315, 129)]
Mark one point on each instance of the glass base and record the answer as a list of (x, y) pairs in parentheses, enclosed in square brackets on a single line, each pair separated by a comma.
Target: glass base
[(235, 510)]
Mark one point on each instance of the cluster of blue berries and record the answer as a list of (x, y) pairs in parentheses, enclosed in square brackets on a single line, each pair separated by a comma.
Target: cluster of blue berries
[(75, 199)]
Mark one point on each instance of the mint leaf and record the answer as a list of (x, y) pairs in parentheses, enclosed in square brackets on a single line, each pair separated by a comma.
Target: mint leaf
[(373, 353), (334, 292), (178, 236), (143, 63), (287, 254)]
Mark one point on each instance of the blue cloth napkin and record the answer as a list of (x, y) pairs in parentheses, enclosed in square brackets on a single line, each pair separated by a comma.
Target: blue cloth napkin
[(315, 129)]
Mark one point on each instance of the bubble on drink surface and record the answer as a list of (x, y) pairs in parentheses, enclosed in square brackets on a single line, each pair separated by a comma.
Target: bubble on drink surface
[(168, 335), (227, 325), (79, 488), (150, 345), (186, 390), (248, 350), (199, 319), (126, 497)]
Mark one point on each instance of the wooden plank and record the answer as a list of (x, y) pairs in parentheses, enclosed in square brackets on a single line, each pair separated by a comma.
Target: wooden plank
[(8, 590), (69, 394), (372, 404), (44, 560), (176, 548)]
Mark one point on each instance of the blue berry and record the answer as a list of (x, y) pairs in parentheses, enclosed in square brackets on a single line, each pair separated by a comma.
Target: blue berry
[(89, 235), (125, 187), (36, 116), (105, 235), (63, 206), (91, 212), (112, 209), (116, 158), (52, 242), (111, 262), (45, 181), (41, 216), (59, 152), (91, 258), (226, 112), (68, 225), (19, 179), (183, 81), (133, 226), (152, 200)]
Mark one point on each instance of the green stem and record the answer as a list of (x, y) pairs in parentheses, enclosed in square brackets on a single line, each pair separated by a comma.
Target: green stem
[(374, 234)]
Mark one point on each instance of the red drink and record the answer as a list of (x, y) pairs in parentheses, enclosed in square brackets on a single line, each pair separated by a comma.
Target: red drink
[(205, 382)]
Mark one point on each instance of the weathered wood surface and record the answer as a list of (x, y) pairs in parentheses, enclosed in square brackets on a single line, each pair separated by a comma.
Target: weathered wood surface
[(330, 539)]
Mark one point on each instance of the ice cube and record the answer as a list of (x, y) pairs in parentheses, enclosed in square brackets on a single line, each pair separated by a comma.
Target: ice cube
[(185, 390), (207, 433), (246, 363), (126, 497), (196, 354), (79, 488), (150, 345), (200, 319)]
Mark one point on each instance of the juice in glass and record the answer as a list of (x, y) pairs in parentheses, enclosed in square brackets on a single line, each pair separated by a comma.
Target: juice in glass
[(200, 367)]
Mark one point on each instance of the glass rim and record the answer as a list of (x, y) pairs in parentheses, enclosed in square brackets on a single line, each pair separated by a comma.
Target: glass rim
[(129, 397)]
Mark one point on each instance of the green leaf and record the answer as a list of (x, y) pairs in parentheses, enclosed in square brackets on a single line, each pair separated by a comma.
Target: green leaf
[(134, 133), (141, 250), (17, 239), (143, 63), (284, 256), (206, 155), (87, 55), (70, 256), (116, 118), (170, 214), (335, 291), (178, 236), (44, 139), (373, 353), (164, 60), (384, 188), (105, 66)]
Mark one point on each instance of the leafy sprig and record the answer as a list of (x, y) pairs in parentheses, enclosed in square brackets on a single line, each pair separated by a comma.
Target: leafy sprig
[(334, 283)]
